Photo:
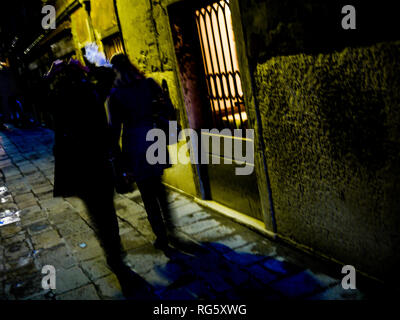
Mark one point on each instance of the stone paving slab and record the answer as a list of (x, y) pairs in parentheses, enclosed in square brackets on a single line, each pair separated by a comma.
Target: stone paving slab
[(109, 288), (145, 258), (59, 256), (84, 246), (69, 279), (95, 268), (132, 239), (233, 263), (87, 292)]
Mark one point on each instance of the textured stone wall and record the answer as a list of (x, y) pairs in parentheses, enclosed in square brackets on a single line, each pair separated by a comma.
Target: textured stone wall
[(80, 28), (331, 124), (103, 16), (139, 34), (330, 109), (284, 27)]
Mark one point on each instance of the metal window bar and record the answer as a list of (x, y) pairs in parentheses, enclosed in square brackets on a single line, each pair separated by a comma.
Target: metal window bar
[(217, 41)]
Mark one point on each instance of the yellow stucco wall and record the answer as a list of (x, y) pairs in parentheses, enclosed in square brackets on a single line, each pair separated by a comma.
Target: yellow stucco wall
[(138, 33), (80, 28), (104, 20)]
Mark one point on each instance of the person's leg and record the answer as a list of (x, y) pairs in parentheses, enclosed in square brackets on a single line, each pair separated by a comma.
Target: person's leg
[(102, 211), (161, 194), (149, 189), (100, 204), (175, 239)]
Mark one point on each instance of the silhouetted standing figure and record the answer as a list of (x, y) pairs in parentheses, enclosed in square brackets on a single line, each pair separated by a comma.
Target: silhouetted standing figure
[(130, 106), (82, 151)]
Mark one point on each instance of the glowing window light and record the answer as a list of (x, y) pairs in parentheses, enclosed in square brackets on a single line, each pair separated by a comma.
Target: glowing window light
[(237, 117), (217, 41)]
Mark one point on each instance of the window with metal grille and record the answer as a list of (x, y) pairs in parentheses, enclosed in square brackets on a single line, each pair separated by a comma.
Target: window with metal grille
[(214, 26), (112, 45)]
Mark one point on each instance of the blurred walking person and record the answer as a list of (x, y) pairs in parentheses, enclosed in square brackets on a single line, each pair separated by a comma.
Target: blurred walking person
[(82, 151), (131, 107)]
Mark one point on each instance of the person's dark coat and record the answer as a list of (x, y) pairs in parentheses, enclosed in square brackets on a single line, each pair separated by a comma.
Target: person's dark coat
[(130, 107), (82, 140)]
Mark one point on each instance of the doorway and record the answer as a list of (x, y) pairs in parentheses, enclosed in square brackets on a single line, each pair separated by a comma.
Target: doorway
[(205, 48)]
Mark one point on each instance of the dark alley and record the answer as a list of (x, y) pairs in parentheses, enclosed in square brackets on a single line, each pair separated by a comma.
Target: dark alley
[(199, 151)]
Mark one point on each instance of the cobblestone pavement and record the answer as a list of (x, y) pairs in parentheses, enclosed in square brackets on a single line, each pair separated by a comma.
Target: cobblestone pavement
[(236, 262)]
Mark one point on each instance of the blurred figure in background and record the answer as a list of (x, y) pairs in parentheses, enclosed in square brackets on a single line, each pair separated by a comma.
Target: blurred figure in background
[(16, 110)]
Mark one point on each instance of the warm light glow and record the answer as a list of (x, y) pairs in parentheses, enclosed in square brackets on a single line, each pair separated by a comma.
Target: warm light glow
[(214, 25), (237, 117)]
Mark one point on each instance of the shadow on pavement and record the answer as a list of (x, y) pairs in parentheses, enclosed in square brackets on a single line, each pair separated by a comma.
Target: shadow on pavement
[(211, 270)]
